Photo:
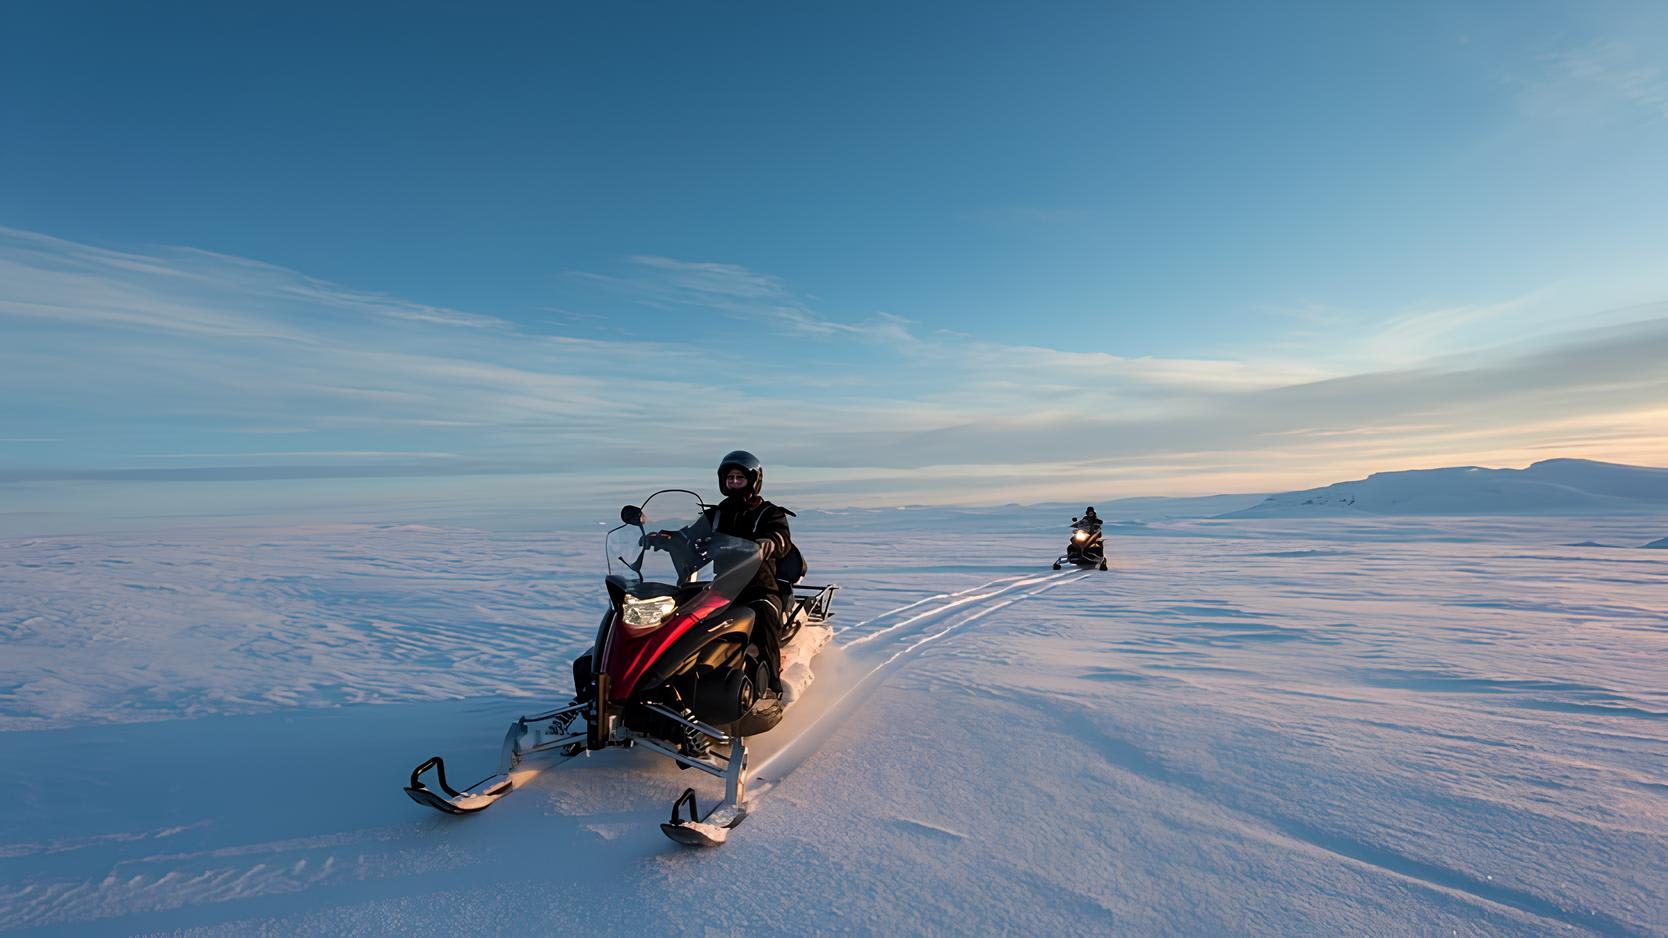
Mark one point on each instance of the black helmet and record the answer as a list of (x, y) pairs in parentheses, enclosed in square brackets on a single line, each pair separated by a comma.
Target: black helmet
[(748, 464), (1089, 510)]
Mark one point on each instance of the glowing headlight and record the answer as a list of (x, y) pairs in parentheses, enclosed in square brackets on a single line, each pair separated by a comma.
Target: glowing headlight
[(644, 612), (1080, 537)]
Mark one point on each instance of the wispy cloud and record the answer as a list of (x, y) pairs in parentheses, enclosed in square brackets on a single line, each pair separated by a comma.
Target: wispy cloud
[(1313, 429), (307, 454), (1618, 69), (197, 357), (1413, 335), (736, 291), (184, 290), (1357, 341), (268, 279), (1606, 80)]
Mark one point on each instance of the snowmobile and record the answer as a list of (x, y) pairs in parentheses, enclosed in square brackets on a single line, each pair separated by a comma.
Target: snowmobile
[(1086, 547), (674, 668)]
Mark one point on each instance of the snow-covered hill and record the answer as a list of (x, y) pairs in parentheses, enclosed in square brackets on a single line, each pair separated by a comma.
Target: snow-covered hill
[(1554, 486)]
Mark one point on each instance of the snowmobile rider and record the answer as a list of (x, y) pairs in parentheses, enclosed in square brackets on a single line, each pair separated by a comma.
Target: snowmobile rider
[(1090, 521), (746, 514)]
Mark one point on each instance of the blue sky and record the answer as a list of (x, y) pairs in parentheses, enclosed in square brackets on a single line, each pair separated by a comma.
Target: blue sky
[(907, 252)]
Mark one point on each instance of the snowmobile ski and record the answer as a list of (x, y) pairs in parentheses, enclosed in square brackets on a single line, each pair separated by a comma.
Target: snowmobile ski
[(698, 831), (540, 732), (474, 798)]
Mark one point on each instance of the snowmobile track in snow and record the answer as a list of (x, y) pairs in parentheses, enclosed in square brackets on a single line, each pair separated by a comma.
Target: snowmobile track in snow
[(957, 599), (773, 769), (927, 599), (786, 755)]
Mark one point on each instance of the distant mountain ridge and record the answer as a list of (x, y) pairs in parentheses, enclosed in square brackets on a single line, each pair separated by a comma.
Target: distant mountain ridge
[(1554, 486), (1551, 486)]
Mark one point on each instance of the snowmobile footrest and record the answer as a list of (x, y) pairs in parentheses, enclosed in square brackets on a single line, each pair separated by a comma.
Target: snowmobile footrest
[(474, 798), (696, 831)]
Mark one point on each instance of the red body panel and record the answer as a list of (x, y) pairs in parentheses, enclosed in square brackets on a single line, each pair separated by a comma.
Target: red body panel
[(627, 656)]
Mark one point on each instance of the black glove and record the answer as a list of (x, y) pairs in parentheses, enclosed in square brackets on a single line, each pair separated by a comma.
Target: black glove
[(767, 548)]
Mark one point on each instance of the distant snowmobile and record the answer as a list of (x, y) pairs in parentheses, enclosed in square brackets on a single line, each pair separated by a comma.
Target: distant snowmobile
[(1086, 547), (675, 669)]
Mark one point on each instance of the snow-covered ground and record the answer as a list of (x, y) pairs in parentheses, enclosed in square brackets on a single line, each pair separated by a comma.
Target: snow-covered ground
[(1338, 725)]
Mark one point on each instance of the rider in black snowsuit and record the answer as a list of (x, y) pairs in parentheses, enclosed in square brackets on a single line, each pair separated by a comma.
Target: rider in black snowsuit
[(744, 513), (1089, 522)]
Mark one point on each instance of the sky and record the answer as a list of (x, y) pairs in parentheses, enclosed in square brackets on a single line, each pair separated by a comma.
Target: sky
[(263, 256)]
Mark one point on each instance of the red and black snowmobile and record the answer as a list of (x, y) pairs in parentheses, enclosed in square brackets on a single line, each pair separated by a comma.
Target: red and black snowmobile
[(675, 668)]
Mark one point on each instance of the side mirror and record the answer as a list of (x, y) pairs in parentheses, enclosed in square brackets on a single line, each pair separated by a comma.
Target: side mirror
[(1074, 521), (631, 514)]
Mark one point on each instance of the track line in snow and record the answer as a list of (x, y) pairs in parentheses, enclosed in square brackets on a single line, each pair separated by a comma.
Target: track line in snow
[(805, 743), (926, 599), (961, 599), (528, 770), (971, 618)]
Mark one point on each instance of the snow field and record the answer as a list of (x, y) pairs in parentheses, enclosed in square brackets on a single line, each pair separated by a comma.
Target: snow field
[(1292, 726)]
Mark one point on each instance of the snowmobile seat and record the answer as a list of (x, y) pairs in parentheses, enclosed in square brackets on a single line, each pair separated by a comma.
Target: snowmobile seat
[(791, 568)]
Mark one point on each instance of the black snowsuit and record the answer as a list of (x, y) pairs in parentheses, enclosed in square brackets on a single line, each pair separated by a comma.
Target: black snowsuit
[(754, 519)]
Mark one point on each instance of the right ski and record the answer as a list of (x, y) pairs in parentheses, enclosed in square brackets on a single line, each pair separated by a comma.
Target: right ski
[(540, 732), (697, 831)]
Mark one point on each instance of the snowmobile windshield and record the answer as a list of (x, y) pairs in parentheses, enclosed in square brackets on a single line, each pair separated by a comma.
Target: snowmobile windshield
[(676, 547)]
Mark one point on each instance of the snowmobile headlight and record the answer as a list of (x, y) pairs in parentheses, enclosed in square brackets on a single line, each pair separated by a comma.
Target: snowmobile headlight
[(1080, 537), (646, 612)]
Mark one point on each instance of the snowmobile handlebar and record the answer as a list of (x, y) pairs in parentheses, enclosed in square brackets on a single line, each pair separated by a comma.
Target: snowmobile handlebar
[(674, 542)]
